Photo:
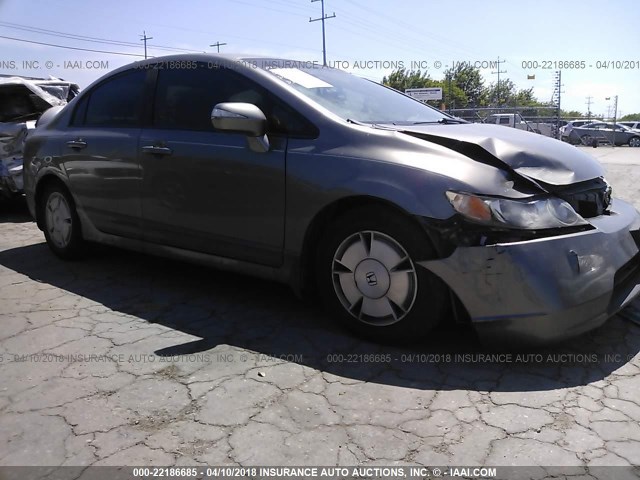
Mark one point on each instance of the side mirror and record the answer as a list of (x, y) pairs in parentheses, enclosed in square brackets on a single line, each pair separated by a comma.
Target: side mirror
[(239, 117), (243, 118)]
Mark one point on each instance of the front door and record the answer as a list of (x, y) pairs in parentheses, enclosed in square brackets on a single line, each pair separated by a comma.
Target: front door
[(205, 190)]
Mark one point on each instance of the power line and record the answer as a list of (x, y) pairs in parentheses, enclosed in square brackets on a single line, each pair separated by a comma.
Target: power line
[(298, 9), (83, 38), (71, 48), (266, 8), (447, 42), (322, 19)]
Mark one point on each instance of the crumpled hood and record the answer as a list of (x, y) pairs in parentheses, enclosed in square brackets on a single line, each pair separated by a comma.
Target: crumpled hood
[(531, 155)]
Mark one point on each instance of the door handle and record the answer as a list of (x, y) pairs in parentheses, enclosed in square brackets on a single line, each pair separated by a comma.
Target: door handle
[(155, 150), (78, 144)]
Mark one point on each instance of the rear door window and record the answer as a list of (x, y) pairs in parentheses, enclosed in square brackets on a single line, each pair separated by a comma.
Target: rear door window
[(118, 102)]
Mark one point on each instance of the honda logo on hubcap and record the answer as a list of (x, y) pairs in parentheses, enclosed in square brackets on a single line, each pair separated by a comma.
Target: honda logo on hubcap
[(371, 279)]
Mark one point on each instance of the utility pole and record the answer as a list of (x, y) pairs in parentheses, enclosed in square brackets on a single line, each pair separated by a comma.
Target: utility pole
[(217, 44), (323, 18), (615, 117), (557, 91), (144, 39), (449, 75), (499, 72), (589, 102)]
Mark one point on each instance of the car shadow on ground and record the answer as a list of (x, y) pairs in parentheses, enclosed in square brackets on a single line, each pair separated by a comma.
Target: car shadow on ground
[(14, 211), (224, 309)]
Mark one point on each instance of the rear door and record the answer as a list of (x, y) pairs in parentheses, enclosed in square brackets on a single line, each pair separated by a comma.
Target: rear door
[(100, 153)]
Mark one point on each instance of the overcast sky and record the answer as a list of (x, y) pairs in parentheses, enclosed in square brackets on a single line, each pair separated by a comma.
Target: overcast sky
[(376, 33)]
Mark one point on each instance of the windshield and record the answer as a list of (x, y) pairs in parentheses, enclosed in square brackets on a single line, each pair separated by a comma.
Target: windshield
[(350, 97)]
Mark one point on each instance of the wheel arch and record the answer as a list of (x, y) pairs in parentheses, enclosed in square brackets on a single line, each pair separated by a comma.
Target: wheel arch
[(335, 210)]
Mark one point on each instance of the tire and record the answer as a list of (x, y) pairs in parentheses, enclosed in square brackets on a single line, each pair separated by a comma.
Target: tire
[(586, 140), (634, 142), (355, 257), (61, 223)]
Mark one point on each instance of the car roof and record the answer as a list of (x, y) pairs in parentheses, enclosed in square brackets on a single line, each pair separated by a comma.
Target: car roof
[(241, 62)]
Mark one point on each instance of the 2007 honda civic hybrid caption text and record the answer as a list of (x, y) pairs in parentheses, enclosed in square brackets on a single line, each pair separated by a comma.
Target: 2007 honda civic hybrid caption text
[(396, 215)]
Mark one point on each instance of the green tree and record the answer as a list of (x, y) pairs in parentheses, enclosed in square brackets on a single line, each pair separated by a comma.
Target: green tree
[(525, 98), (502, 94), (468, 79), (451, 94), (631, 116), (571, 114), (403, 79), (507, 95)]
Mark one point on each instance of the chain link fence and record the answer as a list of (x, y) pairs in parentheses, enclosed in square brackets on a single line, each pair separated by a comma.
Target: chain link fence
[(543, 120)]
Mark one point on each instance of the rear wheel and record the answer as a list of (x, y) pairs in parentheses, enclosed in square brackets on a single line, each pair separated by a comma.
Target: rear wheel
[(634, 142), (61, 223), (369, 278), (587, 140)]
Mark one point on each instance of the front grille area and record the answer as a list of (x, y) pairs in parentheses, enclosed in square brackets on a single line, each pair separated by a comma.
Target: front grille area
[(589, 199)]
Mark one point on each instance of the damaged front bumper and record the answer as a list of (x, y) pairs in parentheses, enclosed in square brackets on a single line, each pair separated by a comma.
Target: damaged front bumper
[(548, 289)]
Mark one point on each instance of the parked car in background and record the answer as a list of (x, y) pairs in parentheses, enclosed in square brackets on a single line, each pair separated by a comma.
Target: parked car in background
[(633, 124), (515, 120), (604, 132), (565, 131), (391, 212), (22, 101)]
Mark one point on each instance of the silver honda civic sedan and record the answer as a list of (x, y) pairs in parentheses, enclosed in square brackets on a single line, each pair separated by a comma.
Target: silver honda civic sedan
[(394, 215)]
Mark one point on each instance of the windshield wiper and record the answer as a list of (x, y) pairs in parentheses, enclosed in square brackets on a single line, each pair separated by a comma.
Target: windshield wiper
[(442, 121), (372, 125)]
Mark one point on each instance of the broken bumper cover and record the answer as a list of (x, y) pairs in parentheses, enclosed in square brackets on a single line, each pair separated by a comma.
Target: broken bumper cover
[(548, 289)]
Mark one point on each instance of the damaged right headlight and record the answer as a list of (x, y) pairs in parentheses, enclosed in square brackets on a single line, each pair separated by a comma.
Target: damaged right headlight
[(549, 212)]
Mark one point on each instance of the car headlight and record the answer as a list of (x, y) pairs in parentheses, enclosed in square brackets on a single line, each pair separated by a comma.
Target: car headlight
[(530, 215)]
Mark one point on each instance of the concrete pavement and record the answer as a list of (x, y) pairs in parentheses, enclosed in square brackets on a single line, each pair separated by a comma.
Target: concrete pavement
[(124, 359)]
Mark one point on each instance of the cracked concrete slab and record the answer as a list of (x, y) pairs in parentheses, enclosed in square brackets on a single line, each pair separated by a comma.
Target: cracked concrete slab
[(123, 359)]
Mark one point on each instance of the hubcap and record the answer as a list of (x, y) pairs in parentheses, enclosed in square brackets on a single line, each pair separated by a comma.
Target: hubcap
[(635, 142), (58, 218), (374, 278)]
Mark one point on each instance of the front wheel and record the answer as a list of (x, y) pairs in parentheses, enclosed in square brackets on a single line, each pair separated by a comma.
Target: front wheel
[(61, 223), (634, 142), (369, 278)]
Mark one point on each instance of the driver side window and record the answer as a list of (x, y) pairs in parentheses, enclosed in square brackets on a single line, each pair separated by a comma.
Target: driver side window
[(184, 99)]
